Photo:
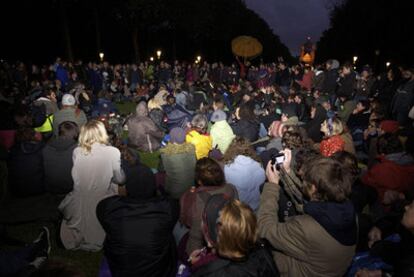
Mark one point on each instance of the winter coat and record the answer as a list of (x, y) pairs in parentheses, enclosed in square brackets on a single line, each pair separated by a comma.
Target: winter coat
[(142, 131), (390, 174), (306, 81), (178, 161), (222, 135), (331, 145), (346, 109), (196, 237), (94, 177), (347, 85), (26, 173), (51, 107), (319, 243), (202, 143), (157, 116), (313, 127), (72, 114), (329, 81), (402, 102), (139, 240), (258, 263), (247, 175), (57, 162), (247, 129)]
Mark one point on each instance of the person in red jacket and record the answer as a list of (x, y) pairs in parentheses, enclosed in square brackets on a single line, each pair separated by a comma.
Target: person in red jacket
[(395, 170)]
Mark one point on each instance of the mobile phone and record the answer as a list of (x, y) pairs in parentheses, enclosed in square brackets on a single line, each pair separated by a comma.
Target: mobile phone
[(278, 158)]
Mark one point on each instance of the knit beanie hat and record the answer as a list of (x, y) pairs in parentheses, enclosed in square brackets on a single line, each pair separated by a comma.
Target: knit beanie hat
[(177, 135)]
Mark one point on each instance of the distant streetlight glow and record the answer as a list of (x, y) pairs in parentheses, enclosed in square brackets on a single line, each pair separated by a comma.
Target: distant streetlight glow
[(152, 59), (355, 59), (158, 54), (198, 58), (388, 64), (101, 56)]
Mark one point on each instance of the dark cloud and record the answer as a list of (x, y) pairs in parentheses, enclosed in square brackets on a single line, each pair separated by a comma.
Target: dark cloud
[(293, 20)]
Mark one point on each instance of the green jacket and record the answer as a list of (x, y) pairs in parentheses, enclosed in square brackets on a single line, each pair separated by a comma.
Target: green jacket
[(222, 135), (178, 161)]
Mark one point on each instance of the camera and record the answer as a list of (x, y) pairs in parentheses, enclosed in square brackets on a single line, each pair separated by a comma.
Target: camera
[(278, 158)]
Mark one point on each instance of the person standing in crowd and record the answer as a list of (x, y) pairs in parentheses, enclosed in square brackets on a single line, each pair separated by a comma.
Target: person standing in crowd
[(96, 172)]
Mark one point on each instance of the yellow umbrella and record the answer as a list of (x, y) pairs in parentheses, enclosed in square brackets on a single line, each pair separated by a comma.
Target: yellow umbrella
[(246, 47)]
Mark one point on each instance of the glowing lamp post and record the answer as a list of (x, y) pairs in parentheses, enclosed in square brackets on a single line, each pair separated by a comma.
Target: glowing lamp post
[(198, 58), (355, 59), (151, 59), (101, 56), (159, 54), (388, 64)]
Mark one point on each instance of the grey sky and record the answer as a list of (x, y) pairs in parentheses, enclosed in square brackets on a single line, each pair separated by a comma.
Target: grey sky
[(293, 20)]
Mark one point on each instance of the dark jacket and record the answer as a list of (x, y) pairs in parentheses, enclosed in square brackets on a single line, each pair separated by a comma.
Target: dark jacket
[(157, 115), (329, 81), (57, 162), (247, 129), (139, 240), (347, 85), (313, 127), (26, 174), (258, 263)]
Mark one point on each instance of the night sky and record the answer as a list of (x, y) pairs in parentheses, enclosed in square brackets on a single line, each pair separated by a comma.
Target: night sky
[(293, 20)]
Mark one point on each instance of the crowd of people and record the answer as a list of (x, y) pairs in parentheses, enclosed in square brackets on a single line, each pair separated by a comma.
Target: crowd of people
[(260, 170)]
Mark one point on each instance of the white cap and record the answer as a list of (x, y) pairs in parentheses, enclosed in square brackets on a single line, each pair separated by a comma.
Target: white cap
[(68, 100)]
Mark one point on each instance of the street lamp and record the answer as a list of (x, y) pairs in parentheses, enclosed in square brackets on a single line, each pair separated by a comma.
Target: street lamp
[(158, 54), (101, 56), (355, 59), (388, 64), (152, 59), (198, 58)]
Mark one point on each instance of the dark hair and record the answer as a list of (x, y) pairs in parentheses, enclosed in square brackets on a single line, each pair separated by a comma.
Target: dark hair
[(25, 134), (332, 181), (388, 144), (209, 173), (348, 160), (246, 112), (240, 146), (292, 139), (68, 129), (304, 156)]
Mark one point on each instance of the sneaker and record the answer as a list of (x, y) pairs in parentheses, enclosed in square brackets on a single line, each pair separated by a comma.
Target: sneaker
[(41, 245)]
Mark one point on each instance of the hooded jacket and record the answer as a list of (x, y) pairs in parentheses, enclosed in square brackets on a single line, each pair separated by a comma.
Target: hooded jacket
[(26, 173), (70, 113), (139, 240), (142, 131), (57, 162), (202, 143), (248, 129), (222, 135), (318, 243)]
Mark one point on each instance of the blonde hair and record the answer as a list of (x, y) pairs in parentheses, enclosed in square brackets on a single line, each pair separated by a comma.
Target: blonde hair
[(92, 132), (237, 230), (337, 127), (153, 104)]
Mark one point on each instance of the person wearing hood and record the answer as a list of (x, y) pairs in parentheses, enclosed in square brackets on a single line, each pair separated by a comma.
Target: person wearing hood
[(142, 131), (313, 127), (138, 227), (25, 164), (221, 132), (57, 159), (321, 242), (199, 137), (395, 170)]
